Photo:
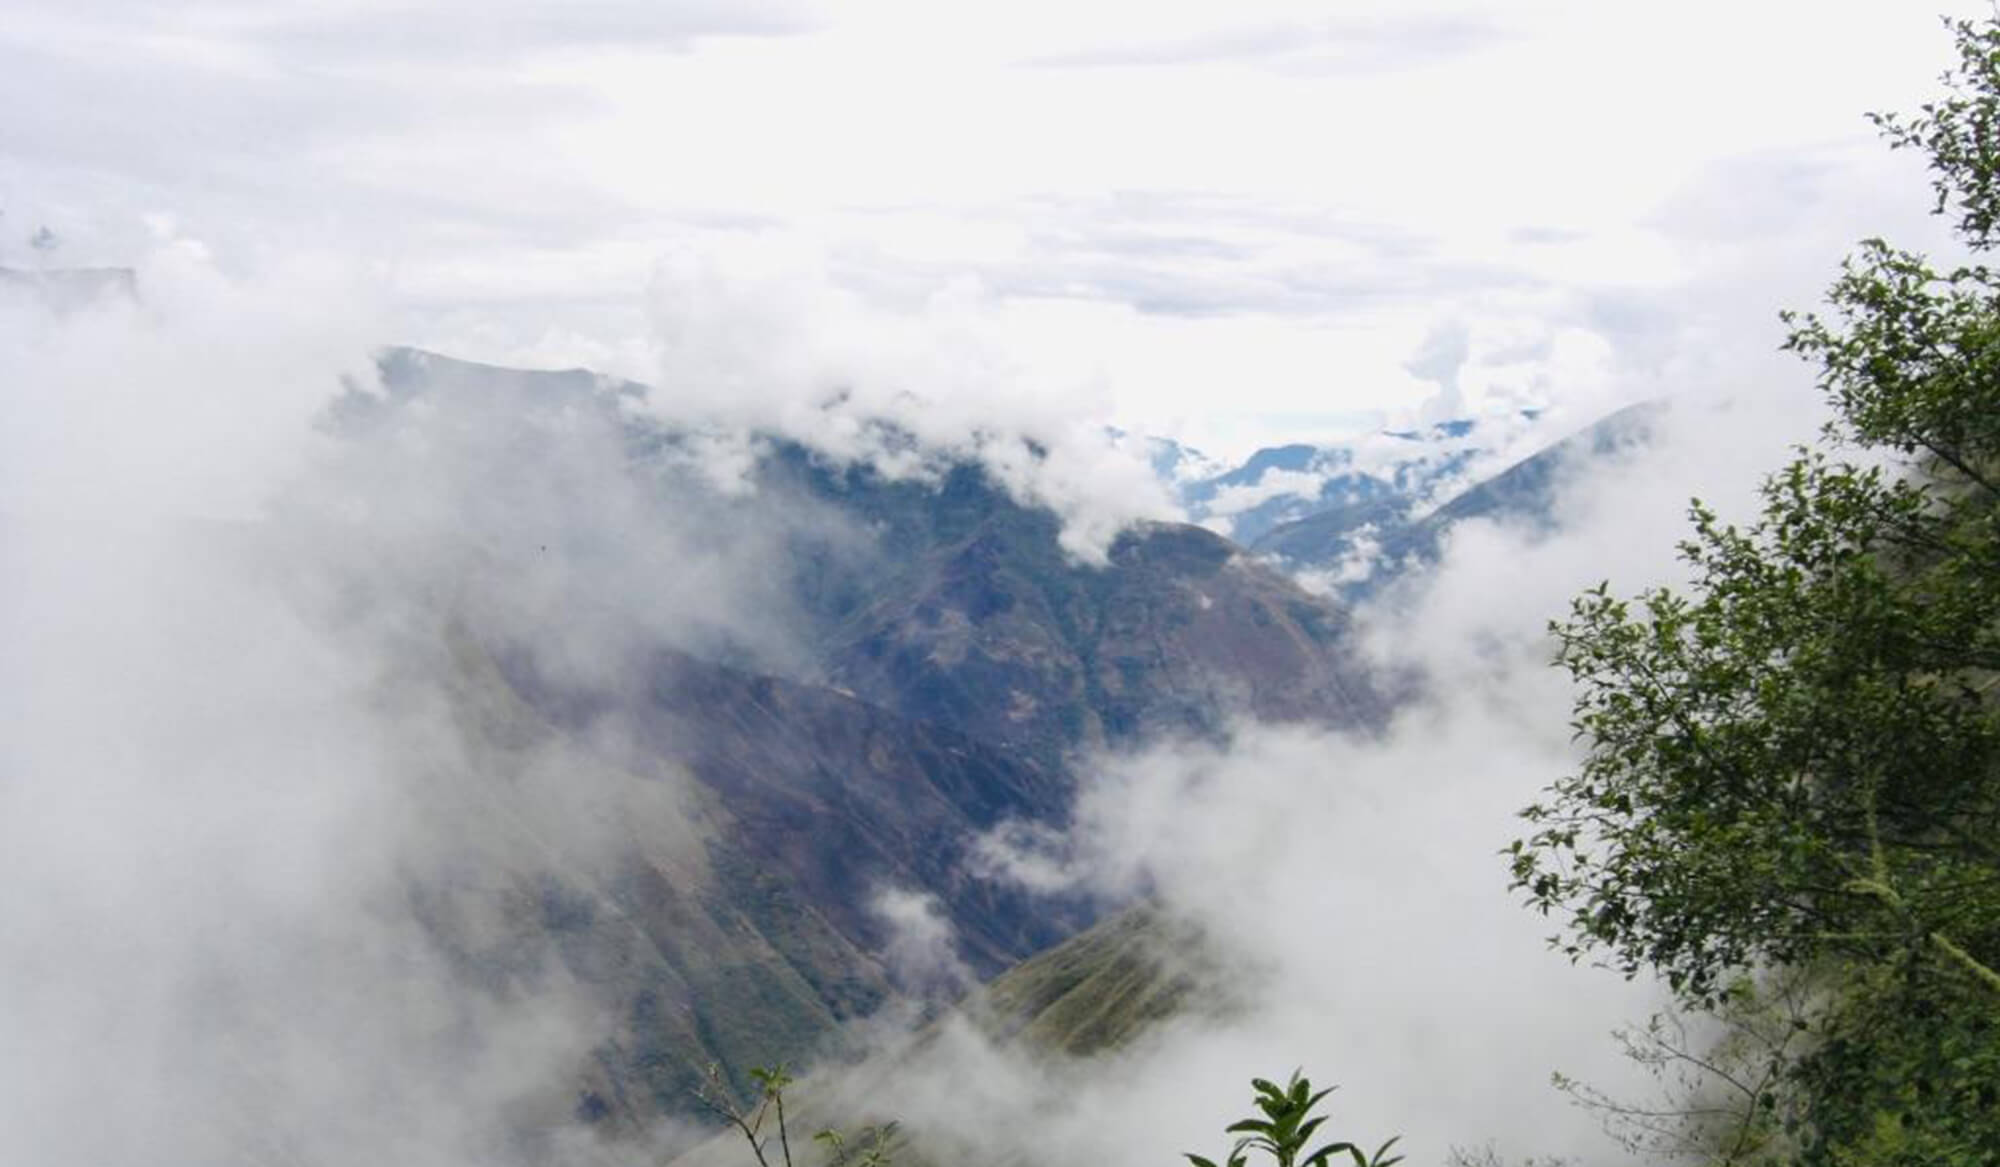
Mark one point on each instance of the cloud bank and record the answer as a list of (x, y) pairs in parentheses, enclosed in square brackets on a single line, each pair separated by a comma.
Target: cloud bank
[(272, 837), (1352, 888)]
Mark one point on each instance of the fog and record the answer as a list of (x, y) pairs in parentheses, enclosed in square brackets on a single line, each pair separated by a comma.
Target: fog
[(1353, 890), (268, 820), (262, 806), (257, 804)]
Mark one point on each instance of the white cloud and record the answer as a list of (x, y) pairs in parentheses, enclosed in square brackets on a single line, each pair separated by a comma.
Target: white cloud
[(887, 216), (117, 410), (760, 337), (254, 784), (1353, 895), (1501, 167), (921, 952), (1354, 885), (1236, 498)]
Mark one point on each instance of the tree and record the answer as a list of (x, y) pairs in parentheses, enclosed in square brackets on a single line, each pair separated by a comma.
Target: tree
[(1795, 761), (1720, 1097)]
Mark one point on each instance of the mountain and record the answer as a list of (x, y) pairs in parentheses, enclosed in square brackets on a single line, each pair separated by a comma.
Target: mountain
[(1361, 547), (1277, 485), (987, 626), (698, 840)]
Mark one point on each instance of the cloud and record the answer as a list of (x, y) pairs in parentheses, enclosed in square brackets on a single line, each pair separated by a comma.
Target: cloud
[(311, 37), (187, 401), (759, 336), (1323, 46), (921, 952), (232, 735), (273, 837), (209, 814), (1441, 357), (1352, 888), (1260, 246), (1353, 900), (1236, 498)]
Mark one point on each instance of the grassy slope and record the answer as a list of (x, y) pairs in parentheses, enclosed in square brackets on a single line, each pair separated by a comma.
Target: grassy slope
[(1086, 997)]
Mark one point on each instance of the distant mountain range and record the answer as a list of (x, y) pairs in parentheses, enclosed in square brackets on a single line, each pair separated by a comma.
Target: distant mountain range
[(1348, 519), (1283, 484), (1354, 550)]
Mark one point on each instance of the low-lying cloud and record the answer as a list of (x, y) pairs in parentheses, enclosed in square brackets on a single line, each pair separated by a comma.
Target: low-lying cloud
[(270, 827), (1352, 889), (242, 717), (759, 337)]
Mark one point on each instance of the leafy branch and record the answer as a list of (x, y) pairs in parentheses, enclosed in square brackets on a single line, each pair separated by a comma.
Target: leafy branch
[(1287, 1126)]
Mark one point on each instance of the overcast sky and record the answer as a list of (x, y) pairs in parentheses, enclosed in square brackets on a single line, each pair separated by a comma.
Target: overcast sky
[(1225, 222)]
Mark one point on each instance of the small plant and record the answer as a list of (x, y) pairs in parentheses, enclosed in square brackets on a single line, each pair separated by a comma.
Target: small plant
[(1288, 1126), (871, 1146), (771, 1082)]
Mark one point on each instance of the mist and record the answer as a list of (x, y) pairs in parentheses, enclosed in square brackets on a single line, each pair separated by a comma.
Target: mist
[(1348, 894), (265, 807), (270, 825), (331, 678)]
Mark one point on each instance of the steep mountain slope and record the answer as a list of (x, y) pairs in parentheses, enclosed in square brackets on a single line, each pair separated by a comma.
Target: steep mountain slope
[(1101, 988), (718, 901), (984, 624)]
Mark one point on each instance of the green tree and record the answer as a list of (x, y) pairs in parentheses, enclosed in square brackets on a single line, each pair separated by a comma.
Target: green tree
[(1795, 761)]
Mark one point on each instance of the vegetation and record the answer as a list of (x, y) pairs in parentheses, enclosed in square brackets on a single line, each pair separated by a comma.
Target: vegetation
[(1793, 765), (869, 1146), (1286, 1129), (1102, 987)]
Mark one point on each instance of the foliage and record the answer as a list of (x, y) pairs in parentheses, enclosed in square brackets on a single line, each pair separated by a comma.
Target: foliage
[(1795, 761), (1283, 1131), (1287, 1126), (1722, 1098), (771, 1082), (869, 1146), (1487, 1156)]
